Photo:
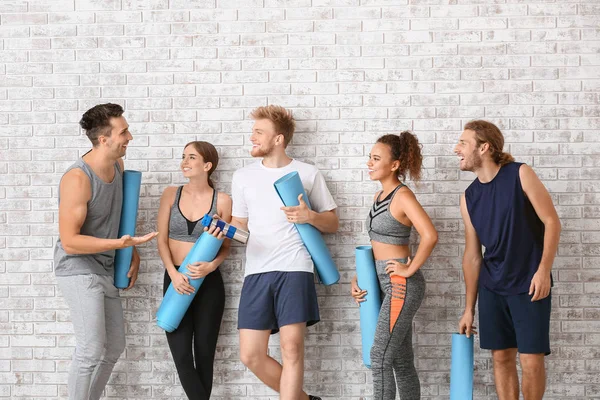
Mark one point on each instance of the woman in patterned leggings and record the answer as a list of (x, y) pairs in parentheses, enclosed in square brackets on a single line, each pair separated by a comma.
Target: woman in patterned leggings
[(389, 223)]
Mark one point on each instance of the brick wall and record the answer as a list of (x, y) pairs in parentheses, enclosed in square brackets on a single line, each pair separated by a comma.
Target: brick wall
[(351, 70)]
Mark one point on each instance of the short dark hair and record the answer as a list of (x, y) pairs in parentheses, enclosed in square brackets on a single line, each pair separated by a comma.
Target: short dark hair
[(96, 120)]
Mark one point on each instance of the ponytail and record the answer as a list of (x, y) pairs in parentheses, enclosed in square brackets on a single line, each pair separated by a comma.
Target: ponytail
[(407, 150), (503, 158)]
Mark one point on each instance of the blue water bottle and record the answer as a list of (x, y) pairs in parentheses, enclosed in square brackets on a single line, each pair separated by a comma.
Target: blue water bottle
[(229, 231)]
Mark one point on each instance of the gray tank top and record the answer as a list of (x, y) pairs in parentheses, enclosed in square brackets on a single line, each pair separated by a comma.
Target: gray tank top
[(181, 228), (102, 221), (381, 224)]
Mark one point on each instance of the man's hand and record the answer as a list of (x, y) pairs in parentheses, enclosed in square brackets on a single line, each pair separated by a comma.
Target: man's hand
[(540, 285), (128, 241), (465, 325), (299, 214), (134, 269)]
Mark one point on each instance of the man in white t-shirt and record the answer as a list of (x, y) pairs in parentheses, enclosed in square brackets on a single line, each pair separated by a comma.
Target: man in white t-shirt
[(279, 291)]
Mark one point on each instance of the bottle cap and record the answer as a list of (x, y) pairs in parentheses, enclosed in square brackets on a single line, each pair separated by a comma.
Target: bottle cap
[(206, 220)]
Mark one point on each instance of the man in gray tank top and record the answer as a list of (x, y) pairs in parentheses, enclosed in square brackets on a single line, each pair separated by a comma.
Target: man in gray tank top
[(90, 200)]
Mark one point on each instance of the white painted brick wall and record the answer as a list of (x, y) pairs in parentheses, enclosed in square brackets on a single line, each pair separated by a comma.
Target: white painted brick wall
[(351, 70)]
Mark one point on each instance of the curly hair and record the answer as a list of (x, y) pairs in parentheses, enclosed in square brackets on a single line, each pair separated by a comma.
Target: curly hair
[(406, 149)]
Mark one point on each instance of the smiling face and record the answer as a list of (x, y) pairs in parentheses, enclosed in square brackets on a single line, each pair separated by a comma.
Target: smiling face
[(469, 154), (116, 143), (264, 138), (193, 164), (380, 163)]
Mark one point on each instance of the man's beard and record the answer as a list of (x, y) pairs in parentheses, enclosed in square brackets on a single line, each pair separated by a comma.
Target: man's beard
[(261, 152), (475, 162)]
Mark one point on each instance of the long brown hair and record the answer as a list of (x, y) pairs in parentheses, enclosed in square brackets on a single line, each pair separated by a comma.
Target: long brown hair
[(486, 132), (209, 154), (406, 149)]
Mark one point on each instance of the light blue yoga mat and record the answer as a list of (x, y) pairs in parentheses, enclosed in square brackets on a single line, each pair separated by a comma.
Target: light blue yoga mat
[(289, 187), (366, 274), (174, 305), (461, 369), (132, 182)]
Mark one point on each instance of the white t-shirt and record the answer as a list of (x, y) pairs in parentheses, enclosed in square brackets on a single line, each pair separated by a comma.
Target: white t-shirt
[(274, 243)]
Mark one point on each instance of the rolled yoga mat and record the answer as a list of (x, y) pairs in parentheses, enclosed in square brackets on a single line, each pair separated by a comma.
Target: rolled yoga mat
[(132, 182), (174, 305), (366, 275), (461, 369), (289, 187)]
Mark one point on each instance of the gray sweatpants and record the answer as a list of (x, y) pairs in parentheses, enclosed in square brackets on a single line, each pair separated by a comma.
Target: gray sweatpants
[(97, 317), (392, 348)]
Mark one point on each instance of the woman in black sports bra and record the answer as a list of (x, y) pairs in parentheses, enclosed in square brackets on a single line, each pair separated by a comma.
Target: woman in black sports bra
[(194, 342), (389, 223)]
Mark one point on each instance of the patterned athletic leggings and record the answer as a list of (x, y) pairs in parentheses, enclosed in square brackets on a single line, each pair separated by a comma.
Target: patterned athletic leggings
[(392, 348)]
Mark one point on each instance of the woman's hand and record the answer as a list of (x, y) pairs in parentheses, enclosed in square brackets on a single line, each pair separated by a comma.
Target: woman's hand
[(199, 270), (395, 268), (357, 293), (181, 283), (214, 230)]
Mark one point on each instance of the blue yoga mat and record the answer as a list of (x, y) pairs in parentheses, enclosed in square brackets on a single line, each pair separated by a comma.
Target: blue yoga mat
[(369, 310), (289, 187), (174, 305), (461, 370), (132, 182)]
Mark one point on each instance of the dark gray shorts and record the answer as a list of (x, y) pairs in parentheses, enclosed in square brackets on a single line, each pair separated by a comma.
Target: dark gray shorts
[(274, 299)]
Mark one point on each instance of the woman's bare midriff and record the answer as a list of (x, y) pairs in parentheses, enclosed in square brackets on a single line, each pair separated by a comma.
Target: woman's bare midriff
[(384, 251), (179, 250)]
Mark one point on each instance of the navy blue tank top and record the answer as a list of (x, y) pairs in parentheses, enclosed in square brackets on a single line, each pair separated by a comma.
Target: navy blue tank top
[(509, 229)]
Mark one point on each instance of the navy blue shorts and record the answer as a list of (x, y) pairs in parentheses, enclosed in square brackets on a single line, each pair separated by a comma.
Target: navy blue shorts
[(274, 299), (508, 322)]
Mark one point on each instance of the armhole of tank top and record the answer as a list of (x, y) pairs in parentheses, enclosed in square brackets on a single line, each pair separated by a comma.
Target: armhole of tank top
[(400, 186), (389, 207), (178, 199), (519, 179), (84, 167)]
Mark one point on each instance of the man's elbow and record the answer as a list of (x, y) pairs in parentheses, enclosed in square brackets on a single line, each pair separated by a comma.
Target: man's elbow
[(70, 250), (557, 224), (334, 226), (67, 245), (329, 226), (335, 223)]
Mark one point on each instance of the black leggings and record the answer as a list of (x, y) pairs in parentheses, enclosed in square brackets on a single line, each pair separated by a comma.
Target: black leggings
[(200, 326)]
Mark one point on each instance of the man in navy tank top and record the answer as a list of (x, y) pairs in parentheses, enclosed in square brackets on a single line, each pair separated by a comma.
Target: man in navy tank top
[(508, 211), (89, 211)]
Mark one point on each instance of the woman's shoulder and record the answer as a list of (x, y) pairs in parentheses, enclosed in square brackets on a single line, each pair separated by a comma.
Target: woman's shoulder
[(169, 193), (223, 197)]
